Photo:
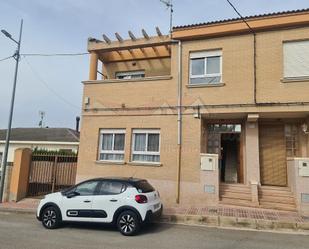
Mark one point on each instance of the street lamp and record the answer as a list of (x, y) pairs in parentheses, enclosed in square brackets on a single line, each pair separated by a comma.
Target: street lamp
[(8, 132)]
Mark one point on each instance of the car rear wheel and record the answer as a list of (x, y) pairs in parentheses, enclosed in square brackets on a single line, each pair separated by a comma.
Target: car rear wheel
[(51, 218), (128, 223)]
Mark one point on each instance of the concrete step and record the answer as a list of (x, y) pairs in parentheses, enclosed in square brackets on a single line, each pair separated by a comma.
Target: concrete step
[(278, 206), (274, 197), (237, 188), (275, 194), (237, 196), (278, 199), (236, 202)]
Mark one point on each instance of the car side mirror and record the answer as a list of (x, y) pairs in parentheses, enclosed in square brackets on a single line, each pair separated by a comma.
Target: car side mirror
[(72, 194)]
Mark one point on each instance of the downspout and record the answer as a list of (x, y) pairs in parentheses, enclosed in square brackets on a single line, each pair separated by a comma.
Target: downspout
[(179, 121), (254, 66)]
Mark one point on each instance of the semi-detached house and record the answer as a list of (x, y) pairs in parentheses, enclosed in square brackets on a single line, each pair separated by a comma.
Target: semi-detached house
[(214, 114)]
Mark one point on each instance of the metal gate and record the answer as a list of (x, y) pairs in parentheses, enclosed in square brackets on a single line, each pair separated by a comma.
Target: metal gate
[(51, 173)]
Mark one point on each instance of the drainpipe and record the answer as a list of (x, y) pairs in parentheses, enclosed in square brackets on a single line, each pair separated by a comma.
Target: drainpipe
[(179, 121), (254, 65)]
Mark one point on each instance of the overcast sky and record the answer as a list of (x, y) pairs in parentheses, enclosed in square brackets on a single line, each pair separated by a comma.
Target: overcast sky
[(53, 84)]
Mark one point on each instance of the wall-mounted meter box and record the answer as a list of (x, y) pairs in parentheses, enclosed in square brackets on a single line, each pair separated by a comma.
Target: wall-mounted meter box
[(303, 167), (209, 161)]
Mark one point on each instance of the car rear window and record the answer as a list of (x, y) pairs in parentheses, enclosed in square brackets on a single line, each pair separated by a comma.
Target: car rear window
[(144, 187)]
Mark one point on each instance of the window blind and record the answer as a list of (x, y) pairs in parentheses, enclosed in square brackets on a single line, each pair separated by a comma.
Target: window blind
[(296, 59)]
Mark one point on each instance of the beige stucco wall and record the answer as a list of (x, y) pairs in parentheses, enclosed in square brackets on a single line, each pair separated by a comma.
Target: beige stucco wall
[(270, 67), (162, 176), (238, 88), (298, 184)]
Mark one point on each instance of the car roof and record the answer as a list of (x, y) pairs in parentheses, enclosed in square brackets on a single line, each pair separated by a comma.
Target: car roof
[(119, 179)]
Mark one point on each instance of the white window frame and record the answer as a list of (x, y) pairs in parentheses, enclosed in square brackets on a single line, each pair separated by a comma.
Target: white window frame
[(101, 151), (285, 45), (129, 74), (204, 55), (151, 153)]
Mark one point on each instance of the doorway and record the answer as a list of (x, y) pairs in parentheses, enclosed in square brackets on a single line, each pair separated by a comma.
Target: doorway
[(230, 158), (225, 139)]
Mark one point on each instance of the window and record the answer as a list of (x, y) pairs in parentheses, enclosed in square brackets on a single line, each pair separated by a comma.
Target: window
[(112, 144), (146, 145), (144, 187), (296, 59), (291, 139), (130, 75), (205, 67), (86, 188), (111, 188)]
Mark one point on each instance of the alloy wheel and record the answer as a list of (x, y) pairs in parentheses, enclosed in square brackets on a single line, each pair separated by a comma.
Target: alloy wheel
[(49, 218), (127, 223)]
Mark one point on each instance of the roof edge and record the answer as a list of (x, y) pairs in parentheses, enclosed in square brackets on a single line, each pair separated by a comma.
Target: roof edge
[(237, 19)]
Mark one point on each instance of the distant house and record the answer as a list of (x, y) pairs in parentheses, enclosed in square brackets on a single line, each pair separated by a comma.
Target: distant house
[(64, 139)]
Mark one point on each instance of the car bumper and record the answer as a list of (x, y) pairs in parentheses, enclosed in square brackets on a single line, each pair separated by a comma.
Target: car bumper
[(154, 216)]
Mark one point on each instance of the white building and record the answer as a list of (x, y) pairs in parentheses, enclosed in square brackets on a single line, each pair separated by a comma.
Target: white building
[(60, 139)]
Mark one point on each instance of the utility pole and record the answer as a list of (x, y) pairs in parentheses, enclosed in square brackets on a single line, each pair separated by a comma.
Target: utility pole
[(8, 132)]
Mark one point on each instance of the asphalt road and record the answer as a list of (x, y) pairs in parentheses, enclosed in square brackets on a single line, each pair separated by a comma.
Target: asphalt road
[(23, 231)]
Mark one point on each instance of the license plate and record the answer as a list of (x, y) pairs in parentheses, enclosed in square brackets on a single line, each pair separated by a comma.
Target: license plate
[(156, 206)]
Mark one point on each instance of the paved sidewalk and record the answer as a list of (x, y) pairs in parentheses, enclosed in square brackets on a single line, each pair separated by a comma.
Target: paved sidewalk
[(239, 212), (239, 217), (27, 205)]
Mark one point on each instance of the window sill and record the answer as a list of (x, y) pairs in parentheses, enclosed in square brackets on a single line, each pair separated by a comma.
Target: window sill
[(206, 85), (295, 79), (110, 162), (149, 164)]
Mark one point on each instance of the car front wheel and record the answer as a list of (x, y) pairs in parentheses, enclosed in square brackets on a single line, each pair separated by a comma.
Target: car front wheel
[(51, 218), (128, 223)]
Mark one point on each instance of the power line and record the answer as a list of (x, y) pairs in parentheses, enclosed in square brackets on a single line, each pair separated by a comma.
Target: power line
[(56, 54), (7, 58), (242, 18), (48, 87)]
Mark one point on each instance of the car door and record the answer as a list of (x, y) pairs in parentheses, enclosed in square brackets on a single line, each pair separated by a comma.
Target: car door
[(109, 197), (77, 203)]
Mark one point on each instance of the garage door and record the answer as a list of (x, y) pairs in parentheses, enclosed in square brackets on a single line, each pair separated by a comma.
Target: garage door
[(272, 154)]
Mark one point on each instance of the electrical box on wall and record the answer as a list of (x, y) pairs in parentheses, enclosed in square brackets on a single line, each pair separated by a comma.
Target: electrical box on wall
[(209, 161), (303, 167)]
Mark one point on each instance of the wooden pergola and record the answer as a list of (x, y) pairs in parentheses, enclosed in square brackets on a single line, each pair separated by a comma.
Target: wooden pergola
[(121, 50)]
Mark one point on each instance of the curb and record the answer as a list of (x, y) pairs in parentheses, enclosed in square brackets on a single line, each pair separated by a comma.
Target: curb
[(237, 223), (18, 210)]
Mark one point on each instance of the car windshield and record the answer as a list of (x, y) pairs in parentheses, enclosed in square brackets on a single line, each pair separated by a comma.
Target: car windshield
[(144, 187)]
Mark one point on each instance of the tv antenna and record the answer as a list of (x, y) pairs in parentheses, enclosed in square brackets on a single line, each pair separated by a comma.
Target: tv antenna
[(169, 5), (42, 116)]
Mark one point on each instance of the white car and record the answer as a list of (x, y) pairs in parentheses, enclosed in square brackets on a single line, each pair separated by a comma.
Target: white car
[(126, 202)]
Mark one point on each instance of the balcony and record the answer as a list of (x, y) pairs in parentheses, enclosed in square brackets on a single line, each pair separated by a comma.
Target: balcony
[(131, 60)]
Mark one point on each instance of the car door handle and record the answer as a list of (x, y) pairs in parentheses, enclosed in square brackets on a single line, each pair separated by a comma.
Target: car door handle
[(113, 200), (87, 201)]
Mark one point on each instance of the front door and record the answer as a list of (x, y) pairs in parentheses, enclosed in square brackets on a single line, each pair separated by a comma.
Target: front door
[(272, 154), (230, 158), (225, 139)]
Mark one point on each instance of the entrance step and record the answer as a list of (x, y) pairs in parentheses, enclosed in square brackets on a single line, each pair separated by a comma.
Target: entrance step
[(280, 198), (235, 194)]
